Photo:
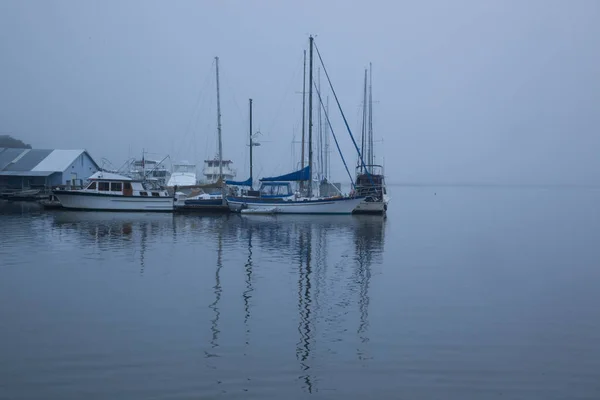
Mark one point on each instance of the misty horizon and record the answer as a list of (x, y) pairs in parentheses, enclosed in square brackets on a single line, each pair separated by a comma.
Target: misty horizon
[(501, 92)]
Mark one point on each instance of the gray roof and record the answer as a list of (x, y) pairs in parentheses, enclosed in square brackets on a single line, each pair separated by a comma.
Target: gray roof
[(7, 155), (37, 162), (26, 173), (28, 161), (59, 160)]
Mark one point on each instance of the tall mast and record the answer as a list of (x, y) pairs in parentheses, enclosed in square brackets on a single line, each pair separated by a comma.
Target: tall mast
[(310, 84), (219, 124), (320, 130), (370, 155), (327, 165), (303, 113), (364, 125), (251, 144)]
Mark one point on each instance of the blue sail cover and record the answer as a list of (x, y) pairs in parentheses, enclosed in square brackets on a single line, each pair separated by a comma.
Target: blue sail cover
[(301, 175), (247, 182)]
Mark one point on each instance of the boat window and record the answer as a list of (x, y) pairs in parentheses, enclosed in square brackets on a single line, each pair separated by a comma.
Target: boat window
[(116, 186), (127, 186), (275, 190), (143, 193), (92, 186), (155, 194), (104, 186)]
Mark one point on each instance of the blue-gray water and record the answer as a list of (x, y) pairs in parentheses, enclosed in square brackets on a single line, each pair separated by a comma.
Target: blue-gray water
[(461, 293)]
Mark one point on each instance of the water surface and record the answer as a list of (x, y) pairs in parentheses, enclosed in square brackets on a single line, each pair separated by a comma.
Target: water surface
[(487, 293)]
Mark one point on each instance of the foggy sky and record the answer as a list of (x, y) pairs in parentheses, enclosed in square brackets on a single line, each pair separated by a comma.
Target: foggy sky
[(466, 91)]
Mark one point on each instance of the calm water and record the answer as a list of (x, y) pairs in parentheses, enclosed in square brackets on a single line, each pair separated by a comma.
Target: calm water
[(461, 293)]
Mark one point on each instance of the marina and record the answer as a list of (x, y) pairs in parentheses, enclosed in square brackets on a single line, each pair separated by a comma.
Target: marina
[(299, 200), (146, 184)]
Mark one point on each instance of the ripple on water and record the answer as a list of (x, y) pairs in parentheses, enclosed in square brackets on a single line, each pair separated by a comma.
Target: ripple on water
[(454, 302)]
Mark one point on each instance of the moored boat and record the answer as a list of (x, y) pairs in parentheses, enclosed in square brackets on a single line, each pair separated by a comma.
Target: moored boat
[(371, 185), (51, 203), (331, 205), (305, 201), (213, 201), (183, 175), (370, 180), (112, 192)]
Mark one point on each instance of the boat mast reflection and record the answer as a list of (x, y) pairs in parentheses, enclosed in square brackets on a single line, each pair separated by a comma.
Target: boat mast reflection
[(143, 250), (217, 290), (368, 242), (304, 304), (248, 281)]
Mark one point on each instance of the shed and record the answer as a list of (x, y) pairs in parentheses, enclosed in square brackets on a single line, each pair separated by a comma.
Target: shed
[(37, 168)]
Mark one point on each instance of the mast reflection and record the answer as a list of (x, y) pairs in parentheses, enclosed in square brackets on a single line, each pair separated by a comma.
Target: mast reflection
[(304, 303), (369, 242), (217, 291), (248, 281)]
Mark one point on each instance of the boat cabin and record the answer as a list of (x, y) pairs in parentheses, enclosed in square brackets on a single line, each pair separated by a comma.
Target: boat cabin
[(370, 182), (275, 189), (119, 185), (184, 168)]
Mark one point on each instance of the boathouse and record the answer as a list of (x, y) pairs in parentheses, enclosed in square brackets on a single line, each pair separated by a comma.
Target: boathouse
[(22, 169)]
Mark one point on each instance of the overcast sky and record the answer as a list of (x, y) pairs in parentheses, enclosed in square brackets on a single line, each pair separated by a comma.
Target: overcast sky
[(465, 91)]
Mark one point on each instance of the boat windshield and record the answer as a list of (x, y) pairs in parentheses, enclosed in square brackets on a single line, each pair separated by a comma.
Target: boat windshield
[(150, 185), (184, 168), (276, 189)]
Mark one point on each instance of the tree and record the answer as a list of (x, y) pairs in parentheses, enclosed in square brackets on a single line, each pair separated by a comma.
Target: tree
[(10, 142)]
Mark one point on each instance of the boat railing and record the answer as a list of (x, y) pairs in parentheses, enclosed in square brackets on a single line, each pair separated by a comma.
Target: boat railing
[(69, 187), (373, 169)]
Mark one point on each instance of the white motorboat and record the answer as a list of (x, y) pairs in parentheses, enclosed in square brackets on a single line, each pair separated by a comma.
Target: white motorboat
[(149, 170), (112, 192), (183, 175)]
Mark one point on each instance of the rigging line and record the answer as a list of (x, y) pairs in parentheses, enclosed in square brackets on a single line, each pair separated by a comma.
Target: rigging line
[(334, 137), (285, 95), (343, 116), (229, 84), (196, 108)]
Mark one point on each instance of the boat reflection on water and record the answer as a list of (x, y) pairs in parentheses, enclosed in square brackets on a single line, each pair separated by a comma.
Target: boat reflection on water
[(105, 230), (331, 259)]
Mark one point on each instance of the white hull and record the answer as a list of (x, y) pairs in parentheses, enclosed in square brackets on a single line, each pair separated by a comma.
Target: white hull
[(265, 210), (114, 203), (182, 179), (320, 206), (372, 207)]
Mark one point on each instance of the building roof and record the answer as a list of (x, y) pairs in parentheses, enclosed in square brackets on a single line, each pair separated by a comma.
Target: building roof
[(27, 173), (27, 160), (8, 155), (37, 162), (58, 160)]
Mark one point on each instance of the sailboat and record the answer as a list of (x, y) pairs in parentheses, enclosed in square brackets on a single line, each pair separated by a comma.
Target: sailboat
[(370, 180), (295, 203), (269, 189), (212, 196)]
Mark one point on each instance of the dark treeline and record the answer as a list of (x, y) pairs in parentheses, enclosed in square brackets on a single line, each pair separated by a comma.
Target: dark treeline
[(11, 142)]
